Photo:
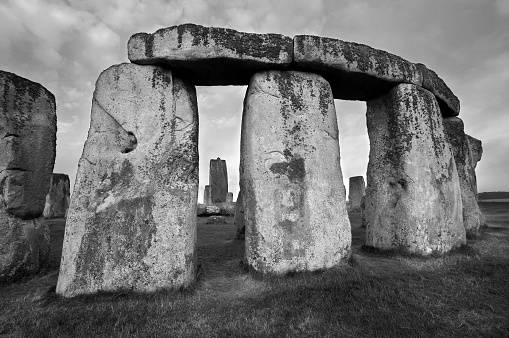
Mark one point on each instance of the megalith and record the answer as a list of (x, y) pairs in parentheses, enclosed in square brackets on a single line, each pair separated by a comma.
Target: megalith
[(229, 197), (356, 189), (218, 180), (460, 146), (238, 219), (58, 197), (27, 157), (413, 198), (207, 198), (131, 224), (290, 176)]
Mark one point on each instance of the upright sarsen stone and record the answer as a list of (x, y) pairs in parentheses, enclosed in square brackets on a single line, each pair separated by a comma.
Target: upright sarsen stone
[(239, 217), (218, 180), (58, 197), (27, 156), (294, 204), (413, 198), (132, 219), (356, 189), (465, 163), (207, 199)]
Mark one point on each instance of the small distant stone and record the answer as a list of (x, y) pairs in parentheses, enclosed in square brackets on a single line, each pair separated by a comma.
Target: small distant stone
[(216, 220)]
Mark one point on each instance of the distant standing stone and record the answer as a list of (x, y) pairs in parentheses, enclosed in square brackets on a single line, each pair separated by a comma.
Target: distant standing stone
[(229, 197), (290, 175), (239, 217), (207, 198), (218, 180), (413, 197), (57, 199), (465, 164), (131, 224), (356, 189), (27, 156)]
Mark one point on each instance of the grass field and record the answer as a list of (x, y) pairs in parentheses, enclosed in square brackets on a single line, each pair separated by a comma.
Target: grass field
[(463, 294)]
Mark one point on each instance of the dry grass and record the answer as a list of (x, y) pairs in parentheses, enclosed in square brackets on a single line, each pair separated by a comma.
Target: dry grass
[(464, 294)]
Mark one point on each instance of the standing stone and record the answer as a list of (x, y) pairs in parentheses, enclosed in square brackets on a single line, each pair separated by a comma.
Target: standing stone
[(229, 197), (57, 199), (218, 180), (472, 215), (413, 198), (131, 224), (294, 203), (356, 190), (475, 146), (27, 156), (363, 212), (238, 219), (207, 199)]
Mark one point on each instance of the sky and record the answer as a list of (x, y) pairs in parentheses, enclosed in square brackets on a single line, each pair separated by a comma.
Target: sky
[(65, 44)]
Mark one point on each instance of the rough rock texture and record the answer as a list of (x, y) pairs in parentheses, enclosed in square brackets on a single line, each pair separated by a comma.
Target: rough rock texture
[(448, 102), (208, 56), (229, 197), (27, 156), (207, 199), (226, 208), (27, 145), (475, 150), (363, 212), (216, 220), (131, 224), (290, 175), (238, 219), (57, 199), (356, 189), (207, 210), (354, 71), (465, 164), (413, 197), (218, 180)]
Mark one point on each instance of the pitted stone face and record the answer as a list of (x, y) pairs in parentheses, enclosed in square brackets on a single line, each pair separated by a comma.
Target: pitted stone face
[(465, 164), (27, 156), (292, 191), (413, 198), (356, 190), (132, 219), (210, 56)]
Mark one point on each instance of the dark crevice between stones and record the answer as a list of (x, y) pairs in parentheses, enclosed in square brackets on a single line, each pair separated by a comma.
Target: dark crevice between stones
[(131, 143)]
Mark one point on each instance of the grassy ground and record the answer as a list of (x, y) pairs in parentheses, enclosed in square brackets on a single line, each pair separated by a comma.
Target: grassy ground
[(464, 294)]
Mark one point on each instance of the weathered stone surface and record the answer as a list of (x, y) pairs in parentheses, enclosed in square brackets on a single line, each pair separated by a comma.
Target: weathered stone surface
[(290, 175), (448, 102), (132, 219), (218, 180), (216, 220), (207, 198), (57, 199), (207, 210), (27, 145), (356, 189), (413, 198), (363, 212), (472, 215), (229, 197), (24, 246), (208, 56), (475, 150), (354, 71), (238, 219), (226, 208)]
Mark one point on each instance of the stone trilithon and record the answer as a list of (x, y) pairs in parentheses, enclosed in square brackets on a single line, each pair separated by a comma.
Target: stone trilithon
[(290, 177)]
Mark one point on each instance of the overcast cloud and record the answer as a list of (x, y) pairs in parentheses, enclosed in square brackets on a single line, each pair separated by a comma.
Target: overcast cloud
[(65, 44)]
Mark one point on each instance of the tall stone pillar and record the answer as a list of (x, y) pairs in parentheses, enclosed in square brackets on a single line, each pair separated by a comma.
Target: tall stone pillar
[(294, 204), (132, 219), (58, 197), (239, 217), (413, 198), (472, 215), (356, 190), (475, 147), (207, 198), (27, 156), (218, 180)]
